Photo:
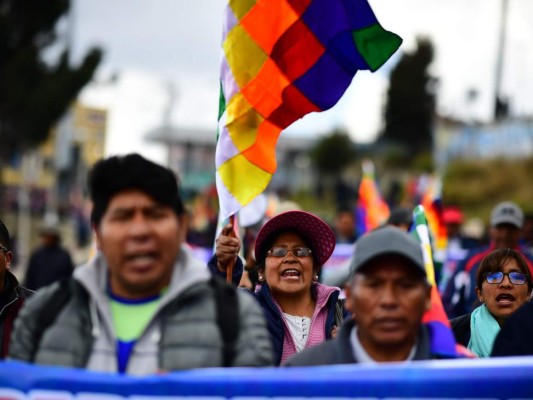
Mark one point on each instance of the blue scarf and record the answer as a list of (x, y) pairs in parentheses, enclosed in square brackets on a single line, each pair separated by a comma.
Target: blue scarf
[(483, 331)]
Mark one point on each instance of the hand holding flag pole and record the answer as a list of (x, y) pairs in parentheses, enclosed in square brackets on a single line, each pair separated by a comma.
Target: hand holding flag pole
[(229, 270), (227, 248)]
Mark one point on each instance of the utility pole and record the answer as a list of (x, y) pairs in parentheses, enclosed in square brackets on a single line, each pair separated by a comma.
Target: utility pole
[(501, 104)]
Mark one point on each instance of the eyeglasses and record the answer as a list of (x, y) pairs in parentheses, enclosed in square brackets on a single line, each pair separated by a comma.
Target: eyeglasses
[(516, 278), (3, 249), (282, 252)]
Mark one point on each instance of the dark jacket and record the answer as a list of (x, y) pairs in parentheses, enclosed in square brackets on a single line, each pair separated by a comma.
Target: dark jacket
[(47, 265), (339, 350), (11, 301), (515, 337), (275, 322), (238, 270), (461, 329)]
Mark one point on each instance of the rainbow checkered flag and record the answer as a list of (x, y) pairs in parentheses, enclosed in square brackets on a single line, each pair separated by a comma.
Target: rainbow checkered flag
[(283, 59), (372, 210), (442, 338), (432, 202)]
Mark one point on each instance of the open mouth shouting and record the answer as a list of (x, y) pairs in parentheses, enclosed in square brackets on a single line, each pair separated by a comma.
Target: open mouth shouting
[(505, 298), (140, 261), (291, 274)]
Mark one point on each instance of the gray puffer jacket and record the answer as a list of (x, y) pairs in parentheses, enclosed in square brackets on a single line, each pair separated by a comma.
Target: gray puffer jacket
[(182, 334)]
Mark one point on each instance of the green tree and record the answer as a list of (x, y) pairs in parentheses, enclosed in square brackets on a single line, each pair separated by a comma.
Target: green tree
[(331, 155), (34, 93), (410, 108)]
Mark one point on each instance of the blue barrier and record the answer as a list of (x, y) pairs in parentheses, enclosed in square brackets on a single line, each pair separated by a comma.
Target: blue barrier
[(503, 378)]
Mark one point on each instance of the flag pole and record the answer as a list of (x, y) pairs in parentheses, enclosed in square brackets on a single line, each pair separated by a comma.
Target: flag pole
[(229, 270)]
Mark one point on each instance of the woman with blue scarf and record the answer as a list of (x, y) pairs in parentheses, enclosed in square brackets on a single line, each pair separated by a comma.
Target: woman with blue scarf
[(503, 284)]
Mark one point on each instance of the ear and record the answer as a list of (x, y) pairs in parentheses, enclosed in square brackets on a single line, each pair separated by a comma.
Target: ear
[(97, 237), (479, 294), (348, 291), (428, 297), (9, 257), (183, 224)]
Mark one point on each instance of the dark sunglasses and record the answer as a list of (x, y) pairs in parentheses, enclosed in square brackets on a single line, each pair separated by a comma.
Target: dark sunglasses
[(282, 252), (516, 278)]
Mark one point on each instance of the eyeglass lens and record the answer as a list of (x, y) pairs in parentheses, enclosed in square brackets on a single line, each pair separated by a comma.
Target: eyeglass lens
[(282, 251), (516, 278)]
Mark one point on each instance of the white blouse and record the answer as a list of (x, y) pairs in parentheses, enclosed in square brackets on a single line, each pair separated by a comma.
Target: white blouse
[(299, 328)]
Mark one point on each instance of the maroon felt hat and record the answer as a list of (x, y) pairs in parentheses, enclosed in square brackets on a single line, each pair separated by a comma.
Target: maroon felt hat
[(312, 228)]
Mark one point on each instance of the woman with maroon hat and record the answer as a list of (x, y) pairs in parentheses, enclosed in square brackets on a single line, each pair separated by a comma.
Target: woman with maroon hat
[(290, 249)]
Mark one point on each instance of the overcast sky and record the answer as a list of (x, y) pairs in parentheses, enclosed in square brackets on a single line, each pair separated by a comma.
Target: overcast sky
[(152, 45)]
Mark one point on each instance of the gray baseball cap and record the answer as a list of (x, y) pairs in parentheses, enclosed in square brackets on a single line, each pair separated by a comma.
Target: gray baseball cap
[(387, 240), (507, 212)]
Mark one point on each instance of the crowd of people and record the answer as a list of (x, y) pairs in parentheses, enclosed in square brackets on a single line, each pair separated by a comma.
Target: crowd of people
[(145, 304)]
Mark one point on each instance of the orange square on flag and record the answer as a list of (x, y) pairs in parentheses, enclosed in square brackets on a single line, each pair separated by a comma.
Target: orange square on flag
[(263, 152), (267, 21), (265, 91)]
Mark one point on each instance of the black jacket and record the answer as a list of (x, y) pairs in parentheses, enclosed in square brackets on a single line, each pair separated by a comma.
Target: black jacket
[(515, 337), (11, 300), (47, 265), (461, 329), (339, 350)]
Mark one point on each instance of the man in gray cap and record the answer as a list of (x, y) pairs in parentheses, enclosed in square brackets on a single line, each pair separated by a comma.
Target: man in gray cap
[(506, 223), (387, 294)]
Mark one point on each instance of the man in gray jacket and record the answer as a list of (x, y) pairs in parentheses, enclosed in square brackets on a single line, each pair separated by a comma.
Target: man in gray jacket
[(387, 293), (143, 304)]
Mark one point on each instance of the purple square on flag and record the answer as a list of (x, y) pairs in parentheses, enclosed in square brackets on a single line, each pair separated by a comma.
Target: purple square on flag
[(343, 49), (360, 14), (325, 82), (326, 18)]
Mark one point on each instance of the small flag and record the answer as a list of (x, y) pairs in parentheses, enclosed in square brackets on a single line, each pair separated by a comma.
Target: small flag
[(442, 338), (372, 210), (283, 59), (432, 203)]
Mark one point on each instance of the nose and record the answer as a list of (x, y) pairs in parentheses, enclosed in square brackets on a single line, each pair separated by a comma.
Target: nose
[(139, 227), (506, 281), (389, 297), (290, 257)]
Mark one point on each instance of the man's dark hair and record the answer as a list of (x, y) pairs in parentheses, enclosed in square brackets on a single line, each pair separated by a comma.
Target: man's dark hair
[(5, 239), (119, 173)]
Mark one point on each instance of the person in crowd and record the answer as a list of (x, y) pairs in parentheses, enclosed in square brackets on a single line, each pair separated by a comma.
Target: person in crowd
[(528, 231), (458, 245), (503, 284), (401, 217), (345, 226), (453, 218), (48, 263), (249, 276), (387, 296), (12, 295), (290, 249), (514, 339), (506, 222), (144, 304)]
